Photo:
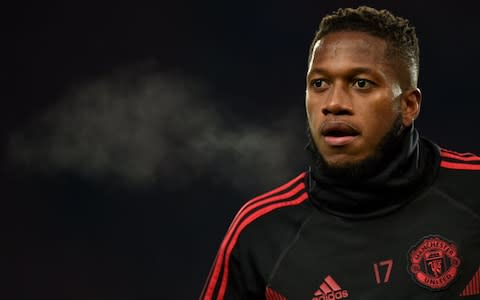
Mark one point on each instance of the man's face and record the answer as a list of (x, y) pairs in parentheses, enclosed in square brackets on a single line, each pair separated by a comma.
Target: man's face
[(352, 97)]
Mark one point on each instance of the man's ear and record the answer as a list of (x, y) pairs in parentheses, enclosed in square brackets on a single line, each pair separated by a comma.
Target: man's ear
[(410, 105)]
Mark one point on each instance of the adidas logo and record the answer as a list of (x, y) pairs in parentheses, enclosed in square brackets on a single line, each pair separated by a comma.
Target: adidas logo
[(330, 290)]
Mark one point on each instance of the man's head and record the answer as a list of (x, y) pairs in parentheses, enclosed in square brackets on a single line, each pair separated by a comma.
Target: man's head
[(361, 85), (402, 42)]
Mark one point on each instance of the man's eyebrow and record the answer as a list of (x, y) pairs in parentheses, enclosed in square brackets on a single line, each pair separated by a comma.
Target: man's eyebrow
[(353, 71)]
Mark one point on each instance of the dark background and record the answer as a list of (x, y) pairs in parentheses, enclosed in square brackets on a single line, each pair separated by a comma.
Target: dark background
[(131, 134)]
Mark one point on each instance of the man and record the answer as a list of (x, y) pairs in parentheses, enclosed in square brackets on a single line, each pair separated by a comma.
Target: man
[(381, 213)]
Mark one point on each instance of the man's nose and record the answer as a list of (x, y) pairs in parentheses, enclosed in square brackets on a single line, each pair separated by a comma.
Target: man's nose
[(338, 101)]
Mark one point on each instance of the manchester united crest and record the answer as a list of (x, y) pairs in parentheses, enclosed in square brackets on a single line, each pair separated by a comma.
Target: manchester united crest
[(433, 262)]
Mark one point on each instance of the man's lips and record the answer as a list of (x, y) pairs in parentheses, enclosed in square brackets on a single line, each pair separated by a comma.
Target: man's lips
[(338, 133)]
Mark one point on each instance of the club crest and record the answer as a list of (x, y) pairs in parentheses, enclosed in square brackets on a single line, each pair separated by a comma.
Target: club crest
[(433, 262)]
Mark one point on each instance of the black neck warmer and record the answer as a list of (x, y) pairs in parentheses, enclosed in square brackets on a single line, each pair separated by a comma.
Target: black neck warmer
[(411, 168)]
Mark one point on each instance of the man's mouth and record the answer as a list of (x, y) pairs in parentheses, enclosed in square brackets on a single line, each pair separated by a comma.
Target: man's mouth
[(338, 133)]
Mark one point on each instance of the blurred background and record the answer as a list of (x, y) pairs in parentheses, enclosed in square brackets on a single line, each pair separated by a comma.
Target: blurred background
[(132, 133)]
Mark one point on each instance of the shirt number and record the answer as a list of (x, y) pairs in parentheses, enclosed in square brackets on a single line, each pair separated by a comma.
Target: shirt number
[(376, 269)]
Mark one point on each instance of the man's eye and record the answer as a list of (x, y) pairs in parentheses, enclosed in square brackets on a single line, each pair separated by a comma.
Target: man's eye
[(318, 83), (362, 83)]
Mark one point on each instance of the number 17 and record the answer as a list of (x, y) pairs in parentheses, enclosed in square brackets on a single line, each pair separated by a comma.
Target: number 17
[(389, 264)]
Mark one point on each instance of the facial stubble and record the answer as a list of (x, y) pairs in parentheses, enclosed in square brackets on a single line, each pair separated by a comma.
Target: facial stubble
[(385, 151)]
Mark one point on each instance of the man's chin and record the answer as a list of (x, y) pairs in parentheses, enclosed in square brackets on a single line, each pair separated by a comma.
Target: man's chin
[(356, 168), (342, 161), (348, 168), (340, 165)]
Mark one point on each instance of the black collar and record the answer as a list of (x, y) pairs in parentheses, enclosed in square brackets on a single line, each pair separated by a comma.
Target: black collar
[(413, 168)]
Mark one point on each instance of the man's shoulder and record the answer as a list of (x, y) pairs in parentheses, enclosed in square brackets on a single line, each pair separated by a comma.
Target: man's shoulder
[(466, 163), (459, 178), (270, 219), (291, 193), (460, 170), (275, 207)]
